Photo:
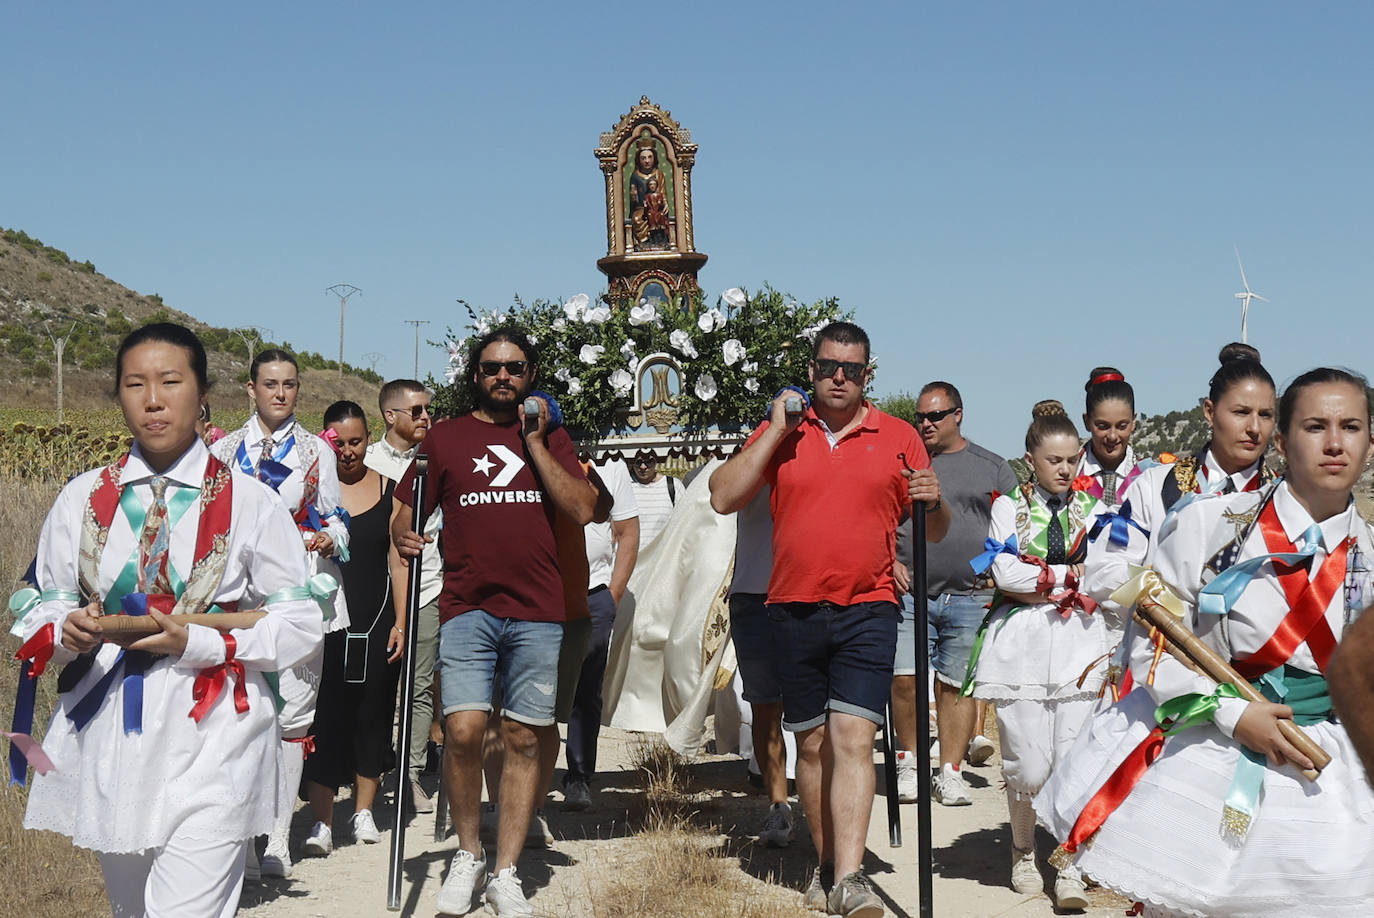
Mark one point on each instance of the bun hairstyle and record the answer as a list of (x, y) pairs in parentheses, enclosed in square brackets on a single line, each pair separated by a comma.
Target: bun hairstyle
[(1107, 384), (1048, 419), (1239, 362), (1288, 403), (343, 410)]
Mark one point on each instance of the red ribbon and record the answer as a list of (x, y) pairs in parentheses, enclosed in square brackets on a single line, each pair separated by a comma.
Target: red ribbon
[(210, 682), (38, 649), (1071, 599), (307, 744), (1106, 377), (1083, 483), (1116, 790)]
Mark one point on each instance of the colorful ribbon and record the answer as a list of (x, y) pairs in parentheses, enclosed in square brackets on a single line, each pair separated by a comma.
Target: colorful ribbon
[(210, 682), (1120, 523), (991, 549), (1219, 597), (321, 588)]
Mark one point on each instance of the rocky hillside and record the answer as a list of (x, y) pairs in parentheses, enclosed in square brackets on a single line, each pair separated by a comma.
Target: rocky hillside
[(44, 292)]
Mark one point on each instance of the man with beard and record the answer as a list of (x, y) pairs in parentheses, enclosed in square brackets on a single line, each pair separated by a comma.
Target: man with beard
[(404, 404), (499, 477)]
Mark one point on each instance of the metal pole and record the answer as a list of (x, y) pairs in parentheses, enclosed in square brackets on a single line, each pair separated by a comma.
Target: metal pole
[(417, 323), (920, 594), (343, 292), (894, 806), (398, 828)]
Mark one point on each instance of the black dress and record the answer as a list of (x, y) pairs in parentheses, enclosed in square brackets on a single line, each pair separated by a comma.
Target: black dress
[(353, 720)]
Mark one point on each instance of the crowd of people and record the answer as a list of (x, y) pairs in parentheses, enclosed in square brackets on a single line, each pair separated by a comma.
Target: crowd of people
[(265, 574)]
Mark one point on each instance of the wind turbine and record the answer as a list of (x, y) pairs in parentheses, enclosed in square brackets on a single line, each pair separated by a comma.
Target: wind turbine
[(1245, 298)]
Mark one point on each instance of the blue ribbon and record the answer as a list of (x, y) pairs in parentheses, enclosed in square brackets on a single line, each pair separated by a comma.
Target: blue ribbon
[(991, 549), (1120, 522), (270, 471), (1219, 597)]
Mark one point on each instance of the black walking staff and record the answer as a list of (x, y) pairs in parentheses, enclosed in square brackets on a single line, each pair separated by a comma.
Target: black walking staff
[(920, 597), (398, 836)]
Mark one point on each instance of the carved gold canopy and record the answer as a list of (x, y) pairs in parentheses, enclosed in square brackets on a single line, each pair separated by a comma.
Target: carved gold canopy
[(647, 161)]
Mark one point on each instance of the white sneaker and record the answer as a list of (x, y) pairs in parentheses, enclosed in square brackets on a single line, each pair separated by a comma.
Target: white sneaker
[(776, 831), (980, 749), (320, 841), (488, 823), (538, 835), (1069, 893), (1025, 875), (466, 877), (276, 860), (908, 777), (949, 788), (365, 828), (505, 897)]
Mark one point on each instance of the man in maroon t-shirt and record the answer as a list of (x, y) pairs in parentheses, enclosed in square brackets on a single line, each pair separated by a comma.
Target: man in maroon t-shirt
[(843, 474), (499, 478)]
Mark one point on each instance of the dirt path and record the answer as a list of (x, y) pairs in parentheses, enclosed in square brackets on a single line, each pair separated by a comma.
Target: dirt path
[(972, 853)]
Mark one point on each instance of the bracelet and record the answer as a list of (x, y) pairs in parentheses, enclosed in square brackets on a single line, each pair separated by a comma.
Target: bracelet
[(397, 629)]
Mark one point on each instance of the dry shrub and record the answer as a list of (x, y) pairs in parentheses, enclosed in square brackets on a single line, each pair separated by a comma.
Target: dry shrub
[(667, 782), (677, 872), (43, 874)]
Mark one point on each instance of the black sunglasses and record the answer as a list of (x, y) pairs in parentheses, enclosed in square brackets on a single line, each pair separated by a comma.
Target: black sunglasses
[(853, 369), (414, 411), (934, 417), (646, 460), (494, 367)]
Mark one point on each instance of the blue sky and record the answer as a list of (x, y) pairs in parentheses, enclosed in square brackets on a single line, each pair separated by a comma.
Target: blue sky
[(1007, 194)]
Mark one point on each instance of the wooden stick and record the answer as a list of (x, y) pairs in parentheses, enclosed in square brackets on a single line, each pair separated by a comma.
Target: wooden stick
[(122, 626), (1189, 649)]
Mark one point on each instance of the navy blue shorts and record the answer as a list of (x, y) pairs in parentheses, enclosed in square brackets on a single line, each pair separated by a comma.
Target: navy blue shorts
[(834, 658), (756, 648)]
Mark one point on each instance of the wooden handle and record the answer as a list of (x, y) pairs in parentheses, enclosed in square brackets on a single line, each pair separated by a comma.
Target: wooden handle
[(1187, 647), (142, 625)]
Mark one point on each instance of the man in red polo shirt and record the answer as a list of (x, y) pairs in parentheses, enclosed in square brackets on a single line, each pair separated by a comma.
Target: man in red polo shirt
[(842, 479)]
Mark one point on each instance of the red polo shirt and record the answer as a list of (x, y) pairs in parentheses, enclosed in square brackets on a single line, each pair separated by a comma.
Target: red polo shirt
[(835, 510)]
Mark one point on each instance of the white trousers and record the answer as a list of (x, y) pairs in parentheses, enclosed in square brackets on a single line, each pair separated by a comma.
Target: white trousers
[(186, 878), (1035, 734)]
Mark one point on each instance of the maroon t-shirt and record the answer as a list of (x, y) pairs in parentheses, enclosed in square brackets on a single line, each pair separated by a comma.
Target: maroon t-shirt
[(498, 544)]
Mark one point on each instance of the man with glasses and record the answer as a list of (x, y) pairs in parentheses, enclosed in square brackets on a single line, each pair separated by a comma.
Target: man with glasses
[(655, 494), (958, 599), (842, 474), (500, 476), (404, 404)]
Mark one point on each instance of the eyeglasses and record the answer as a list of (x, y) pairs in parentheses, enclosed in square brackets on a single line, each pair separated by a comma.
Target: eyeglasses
[(853, 369), (934, 417), (646, 460), (513, 367), (415, 411)]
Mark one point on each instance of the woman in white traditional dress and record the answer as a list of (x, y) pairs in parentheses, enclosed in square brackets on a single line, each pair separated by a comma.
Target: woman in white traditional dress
[(1192, 798), (1042, 636), (165, 753), (1109, 418)]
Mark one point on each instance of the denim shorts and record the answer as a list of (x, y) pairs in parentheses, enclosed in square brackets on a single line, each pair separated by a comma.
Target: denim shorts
[(952, 624), (475, 647), (834, 658), (756, 648)]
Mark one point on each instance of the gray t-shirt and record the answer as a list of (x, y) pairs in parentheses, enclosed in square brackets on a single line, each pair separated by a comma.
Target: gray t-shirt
[(967, 479)]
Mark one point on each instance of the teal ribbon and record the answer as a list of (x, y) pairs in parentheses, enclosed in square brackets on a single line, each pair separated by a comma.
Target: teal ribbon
[(1219, 597), (136, 513), (321, 588), (24, 601)]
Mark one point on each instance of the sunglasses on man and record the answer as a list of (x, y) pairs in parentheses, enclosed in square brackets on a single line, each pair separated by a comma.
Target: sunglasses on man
[(853, 369), (415, 411), (515, 368), (934, 417)]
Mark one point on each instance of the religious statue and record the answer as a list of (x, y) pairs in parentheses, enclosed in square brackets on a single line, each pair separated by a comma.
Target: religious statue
[(647, 200)]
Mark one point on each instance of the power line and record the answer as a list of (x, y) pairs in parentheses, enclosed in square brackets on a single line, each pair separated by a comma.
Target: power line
[(417, 323), (343, 292)]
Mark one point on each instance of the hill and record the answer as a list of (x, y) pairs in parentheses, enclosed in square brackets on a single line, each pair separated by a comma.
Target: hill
[(46, 292)]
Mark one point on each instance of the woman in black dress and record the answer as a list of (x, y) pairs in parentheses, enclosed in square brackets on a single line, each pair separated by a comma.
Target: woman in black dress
[(357, 700)]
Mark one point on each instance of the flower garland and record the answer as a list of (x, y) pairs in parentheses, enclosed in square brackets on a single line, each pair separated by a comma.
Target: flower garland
[(734, 355)]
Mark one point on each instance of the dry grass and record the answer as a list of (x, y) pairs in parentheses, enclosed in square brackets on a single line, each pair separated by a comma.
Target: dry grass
[(675, 868), (43, 874)]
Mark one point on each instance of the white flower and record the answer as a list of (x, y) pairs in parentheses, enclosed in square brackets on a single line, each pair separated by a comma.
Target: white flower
[(575, 307), (597, 315), (482, 327), (710, 320), (622, 382), (749, 366), (751, 385), (627, 350), (558, 325), (643, 314), (457, 349), (732, 351), (574, 386), (562, 375), (706, 387), (791, 308), (683, 342), (809, 333), (734, 297), (453, 374), (534, 339), (778, 358), (590, 353)]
